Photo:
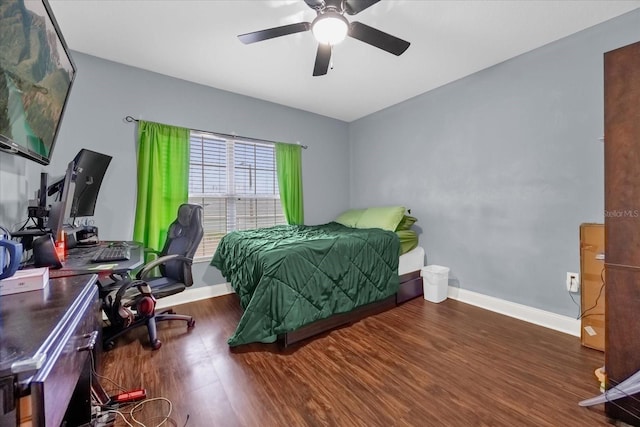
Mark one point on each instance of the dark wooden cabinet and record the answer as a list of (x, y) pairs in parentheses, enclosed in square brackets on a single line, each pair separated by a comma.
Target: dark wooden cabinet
[(45, 342), (622, 223)]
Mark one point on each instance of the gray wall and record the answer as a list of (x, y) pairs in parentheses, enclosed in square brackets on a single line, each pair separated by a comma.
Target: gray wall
[(105, 92), (501, 167)]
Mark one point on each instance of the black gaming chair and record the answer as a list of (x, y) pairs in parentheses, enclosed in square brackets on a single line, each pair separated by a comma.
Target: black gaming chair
[(129, 303)]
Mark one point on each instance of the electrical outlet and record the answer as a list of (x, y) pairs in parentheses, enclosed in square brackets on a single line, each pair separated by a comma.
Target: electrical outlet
[(573, 282)]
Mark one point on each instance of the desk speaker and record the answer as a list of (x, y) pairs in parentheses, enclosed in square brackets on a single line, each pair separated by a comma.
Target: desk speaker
[(44, 253)]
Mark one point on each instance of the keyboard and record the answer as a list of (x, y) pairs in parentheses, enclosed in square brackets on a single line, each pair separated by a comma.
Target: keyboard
[(113, 253)]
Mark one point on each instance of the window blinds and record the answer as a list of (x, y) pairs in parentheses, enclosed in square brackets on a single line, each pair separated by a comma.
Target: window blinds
[(236, 183)]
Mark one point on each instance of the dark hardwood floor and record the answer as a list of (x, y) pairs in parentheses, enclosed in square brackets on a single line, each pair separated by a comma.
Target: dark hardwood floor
[(420, 364)]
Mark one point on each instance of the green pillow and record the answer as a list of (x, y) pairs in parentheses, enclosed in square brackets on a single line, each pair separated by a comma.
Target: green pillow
[(408, 240), (386, 217), (406, 222), (350, 218)]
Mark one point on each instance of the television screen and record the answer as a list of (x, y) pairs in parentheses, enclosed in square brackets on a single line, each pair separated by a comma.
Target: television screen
[(36, 75)]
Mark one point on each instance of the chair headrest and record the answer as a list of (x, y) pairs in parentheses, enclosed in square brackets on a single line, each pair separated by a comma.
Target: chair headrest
[(184, 214), (187, 218)]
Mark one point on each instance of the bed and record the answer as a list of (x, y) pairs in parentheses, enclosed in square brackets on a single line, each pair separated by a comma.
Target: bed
[(294, 282), (409, 286)]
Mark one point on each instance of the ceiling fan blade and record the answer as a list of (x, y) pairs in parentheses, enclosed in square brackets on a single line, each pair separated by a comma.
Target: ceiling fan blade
[(258, 36), (378, 38), (315, 4), (356, 6), (323, 57)]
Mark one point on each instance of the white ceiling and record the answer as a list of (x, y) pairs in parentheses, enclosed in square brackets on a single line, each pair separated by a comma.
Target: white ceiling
[(196, 41)]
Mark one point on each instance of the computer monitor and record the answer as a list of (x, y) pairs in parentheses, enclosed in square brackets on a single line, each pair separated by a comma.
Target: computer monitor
[(90, 168), (61, 206)]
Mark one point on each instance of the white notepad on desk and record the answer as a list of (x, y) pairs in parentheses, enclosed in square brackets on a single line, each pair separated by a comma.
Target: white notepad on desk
[(33, 279)]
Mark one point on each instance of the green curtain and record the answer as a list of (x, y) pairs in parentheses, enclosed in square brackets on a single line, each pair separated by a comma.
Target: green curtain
[(163, 180), (289, 169)]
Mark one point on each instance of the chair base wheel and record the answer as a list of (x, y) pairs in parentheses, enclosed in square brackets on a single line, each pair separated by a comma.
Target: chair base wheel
[(191, 323), (156, 344)]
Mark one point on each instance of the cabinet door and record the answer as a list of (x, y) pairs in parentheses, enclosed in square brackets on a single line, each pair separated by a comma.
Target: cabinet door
[(622, 155), (622, 222)]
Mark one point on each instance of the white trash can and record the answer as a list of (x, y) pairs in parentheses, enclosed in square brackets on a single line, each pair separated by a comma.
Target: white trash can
[(435, 281)]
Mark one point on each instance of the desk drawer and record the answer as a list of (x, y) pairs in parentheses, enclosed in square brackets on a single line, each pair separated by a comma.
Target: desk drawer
[(67, 359)]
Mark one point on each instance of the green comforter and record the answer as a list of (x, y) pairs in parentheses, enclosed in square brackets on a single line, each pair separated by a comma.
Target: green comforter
[(289, 276)]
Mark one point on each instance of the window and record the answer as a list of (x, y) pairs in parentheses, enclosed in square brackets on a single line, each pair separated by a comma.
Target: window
[(236, 183)]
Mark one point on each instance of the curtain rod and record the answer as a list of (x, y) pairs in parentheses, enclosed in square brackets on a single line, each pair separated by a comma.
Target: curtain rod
[(131, 119)]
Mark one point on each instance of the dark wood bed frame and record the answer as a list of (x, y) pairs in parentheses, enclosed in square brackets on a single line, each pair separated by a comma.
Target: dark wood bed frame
[(410, 287)]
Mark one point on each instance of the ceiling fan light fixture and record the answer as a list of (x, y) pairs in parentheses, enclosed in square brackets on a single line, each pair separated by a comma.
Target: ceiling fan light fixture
[(330, 28)]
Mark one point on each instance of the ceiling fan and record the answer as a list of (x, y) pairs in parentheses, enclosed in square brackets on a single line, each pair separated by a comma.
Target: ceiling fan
[(330, 27)]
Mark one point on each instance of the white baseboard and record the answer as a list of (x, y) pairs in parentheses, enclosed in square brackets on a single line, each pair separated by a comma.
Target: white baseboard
[(554, 321), (195, 294)]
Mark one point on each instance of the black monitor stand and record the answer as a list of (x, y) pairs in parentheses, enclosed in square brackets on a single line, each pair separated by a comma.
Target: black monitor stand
[(38, 213)]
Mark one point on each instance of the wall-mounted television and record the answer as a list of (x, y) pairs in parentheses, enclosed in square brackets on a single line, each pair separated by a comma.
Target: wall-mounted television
[(36, 75)]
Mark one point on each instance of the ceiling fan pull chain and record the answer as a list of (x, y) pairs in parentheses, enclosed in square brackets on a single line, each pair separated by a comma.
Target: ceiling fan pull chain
[(331, 63)]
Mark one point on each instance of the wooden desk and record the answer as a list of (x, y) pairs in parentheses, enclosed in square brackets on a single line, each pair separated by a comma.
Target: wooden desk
[(44, 338), (78, 261)]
